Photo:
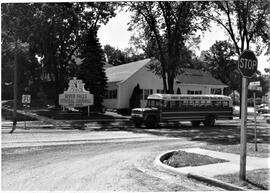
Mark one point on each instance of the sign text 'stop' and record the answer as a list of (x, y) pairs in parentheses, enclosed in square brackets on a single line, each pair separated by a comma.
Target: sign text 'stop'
[(247, 63)]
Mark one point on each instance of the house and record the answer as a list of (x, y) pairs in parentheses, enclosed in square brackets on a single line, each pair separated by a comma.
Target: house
[(122, 80)]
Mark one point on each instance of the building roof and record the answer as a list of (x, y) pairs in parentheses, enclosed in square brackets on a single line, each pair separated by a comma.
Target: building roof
[(189, 76), (194, 76), (122, 72)]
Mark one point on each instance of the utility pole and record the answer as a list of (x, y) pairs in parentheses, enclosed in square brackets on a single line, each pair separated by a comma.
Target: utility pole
[(15, 87)]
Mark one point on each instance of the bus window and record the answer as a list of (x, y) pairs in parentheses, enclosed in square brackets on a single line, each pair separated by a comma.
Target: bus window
[(174, 105), (216, 103), (167, 104), (225, 103)]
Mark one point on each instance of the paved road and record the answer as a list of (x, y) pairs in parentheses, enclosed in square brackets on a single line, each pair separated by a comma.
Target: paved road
[(105, 159), (104, 165)]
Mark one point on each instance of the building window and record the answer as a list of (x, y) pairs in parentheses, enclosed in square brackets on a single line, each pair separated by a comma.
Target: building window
[(160, 91), (216, 91), (111, 94), (194, 92)]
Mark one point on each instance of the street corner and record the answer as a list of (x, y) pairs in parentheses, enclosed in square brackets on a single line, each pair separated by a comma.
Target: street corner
[(195, 172)]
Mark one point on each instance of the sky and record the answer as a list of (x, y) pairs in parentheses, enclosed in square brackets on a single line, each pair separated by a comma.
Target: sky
[(115, 34)]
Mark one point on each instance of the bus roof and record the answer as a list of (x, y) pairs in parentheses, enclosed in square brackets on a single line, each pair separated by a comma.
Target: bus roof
[(187, 96)]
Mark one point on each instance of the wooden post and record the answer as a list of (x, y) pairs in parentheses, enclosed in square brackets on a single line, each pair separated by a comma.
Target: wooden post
[(243, 135), (255, 122), (88, 111)]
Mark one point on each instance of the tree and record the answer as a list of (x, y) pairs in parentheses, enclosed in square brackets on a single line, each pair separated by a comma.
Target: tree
[(115, 56), (16, 25), (244, 21), (218, 60), (134, 101), (167, 25), (61, 26), (91, 71)]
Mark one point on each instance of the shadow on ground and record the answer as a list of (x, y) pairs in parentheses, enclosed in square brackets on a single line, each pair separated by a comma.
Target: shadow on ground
[(221, 134)]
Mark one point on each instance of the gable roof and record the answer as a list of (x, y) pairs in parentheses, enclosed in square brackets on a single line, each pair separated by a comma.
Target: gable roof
[(122, 72), (194, 76), (189, 76)]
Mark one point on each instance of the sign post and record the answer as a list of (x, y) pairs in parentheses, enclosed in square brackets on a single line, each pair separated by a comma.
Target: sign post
[(247, 65), (255, 86), (255, 121), (26, 100)]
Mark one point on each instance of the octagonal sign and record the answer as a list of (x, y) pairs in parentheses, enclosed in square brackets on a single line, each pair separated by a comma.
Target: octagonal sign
[(247, 63)]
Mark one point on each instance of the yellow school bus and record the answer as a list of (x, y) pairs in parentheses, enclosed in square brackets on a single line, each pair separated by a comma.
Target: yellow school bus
[(171, 107)]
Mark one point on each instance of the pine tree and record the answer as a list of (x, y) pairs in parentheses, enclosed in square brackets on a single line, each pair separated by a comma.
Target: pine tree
[(134, 101), (91, 70)]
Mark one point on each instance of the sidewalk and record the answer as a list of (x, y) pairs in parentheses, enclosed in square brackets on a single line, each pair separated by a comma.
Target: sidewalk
[(212, 170)]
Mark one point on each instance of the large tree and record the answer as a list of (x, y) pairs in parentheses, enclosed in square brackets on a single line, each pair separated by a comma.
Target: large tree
[(167, 26), (91, 70), (244, 21), (16, 27), (61, 26), (114, 56), (219, 60)]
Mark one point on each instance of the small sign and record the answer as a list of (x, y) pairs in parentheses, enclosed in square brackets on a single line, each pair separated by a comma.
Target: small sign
[(26, 98), (256, 83), (76, 95), (257, 88)]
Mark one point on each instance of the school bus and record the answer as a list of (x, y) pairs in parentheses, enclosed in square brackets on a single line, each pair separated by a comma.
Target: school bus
[(171, 107)]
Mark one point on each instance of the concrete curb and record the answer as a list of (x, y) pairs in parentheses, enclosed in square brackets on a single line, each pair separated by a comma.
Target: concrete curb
[(215, 182), (158, 162)]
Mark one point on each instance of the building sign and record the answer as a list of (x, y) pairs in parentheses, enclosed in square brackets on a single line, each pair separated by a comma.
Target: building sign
[(26, 98), (76, 95)]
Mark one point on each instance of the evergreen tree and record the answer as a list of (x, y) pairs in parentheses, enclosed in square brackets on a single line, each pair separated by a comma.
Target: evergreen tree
[(134, 101), (91, 69)]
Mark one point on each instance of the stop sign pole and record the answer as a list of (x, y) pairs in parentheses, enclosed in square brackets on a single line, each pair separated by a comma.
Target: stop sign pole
[(247, 65)]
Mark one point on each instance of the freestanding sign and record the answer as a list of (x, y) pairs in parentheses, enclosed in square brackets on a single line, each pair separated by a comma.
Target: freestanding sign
[(247, 65), (76, 95), (26, 98)]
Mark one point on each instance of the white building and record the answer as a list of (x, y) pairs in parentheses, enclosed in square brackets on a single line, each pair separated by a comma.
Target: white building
[(122, 80)]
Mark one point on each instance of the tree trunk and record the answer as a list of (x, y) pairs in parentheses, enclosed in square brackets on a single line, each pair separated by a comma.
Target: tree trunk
[(15, 90), (170, 83)]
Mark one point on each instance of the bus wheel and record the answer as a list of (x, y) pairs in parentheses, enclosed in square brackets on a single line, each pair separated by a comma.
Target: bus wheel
[(137, 124), (209, 122), (151, 122), (195, 123)]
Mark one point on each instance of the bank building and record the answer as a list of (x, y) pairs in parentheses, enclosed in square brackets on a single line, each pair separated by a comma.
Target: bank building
[(123, 78)]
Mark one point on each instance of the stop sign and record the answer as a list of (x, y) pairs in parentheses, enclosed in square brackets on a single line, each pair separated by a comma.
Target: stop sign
[(247, 63)]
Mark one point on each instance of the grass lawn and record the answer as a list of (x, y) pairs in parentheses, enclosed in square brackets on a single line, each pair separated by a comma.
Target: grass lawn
[(46, 109), (263, 149), (255, 179), (183, 159)]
